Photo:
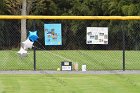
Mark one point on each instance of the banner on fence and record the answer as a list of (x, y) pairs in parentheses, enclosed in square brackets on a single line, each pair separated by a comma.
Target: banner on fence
[(53, 34), (97, 35)]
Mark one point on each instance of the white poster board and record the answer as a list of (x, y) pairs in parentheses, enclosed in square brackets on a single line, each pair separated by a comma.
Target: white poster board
[(97, 35)]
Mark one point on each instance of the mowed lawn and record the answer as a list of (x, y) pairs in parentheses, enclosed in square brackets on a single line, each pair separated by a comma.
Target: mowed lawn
[(51, 60), (69, 83)]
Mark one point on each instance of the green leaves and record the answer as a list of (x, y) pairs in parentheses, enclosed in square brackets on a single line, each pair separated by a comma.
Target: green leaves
[(130, 10), (12, 7)]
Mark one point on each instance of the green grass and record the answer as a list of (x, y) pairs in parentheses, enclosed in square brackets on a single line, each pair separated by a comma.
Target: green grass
[(51, 60), (69, 83)]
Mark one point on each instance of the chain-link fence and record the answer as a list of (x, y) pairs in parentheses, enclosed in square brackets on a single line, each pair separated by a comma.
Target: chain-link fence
[(121, 52)]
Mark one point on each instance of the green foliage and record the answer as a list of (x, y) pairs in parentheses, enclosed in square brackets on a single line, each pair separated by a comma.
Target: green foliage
[(82, 8), (12, 7)]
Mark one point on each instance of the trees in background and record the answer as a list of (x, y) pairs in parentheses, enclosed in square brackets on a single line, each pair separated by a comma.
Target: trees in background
[(74, 32)]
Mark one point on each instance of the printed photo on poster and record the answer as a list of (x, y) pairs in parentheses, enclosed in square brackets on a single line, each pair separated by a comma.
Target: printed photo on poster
[(53, 34), (97, 35)]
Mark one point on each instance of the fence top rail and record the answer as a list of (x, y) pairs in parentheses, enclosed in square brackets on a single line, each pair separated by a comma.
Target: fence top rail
[(70, 17)]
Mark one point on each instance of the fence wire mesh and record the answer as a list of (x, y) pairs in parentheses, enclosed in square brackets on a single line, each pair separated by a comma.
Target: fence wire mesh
[(74, 48)]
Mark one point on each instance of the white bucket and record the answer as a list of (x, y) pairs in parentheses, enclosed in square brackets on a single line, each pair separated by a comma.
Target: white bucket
[(83, 67)]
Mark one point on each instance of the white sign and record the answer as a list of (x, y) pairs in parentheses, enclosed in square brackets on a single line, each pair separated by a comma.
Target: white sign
[(66, 68), (97, 35)]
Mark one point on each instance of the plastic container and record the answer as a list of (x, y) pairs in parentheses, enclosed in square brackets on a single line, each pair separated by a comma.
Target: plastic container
[(84, 68)]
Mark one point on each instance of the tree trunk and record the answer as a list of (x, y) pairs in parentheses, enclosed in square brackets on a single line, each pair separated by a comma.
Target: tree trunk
[(23, 22)]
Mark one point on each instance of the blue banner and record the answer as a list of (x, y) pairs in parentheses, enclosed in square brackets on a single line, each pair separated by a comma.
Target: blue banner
[(53, 34)]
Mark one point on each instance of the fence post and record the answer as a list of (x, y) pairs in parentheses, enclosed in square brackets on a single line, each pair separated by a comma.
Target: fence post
[(123, 32), (34, 58), (34, 28)]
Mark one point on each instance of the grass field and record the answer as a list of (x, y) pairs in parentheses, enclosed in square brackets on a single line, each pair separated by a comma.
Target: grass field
[(69, 83), (50, 60)]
